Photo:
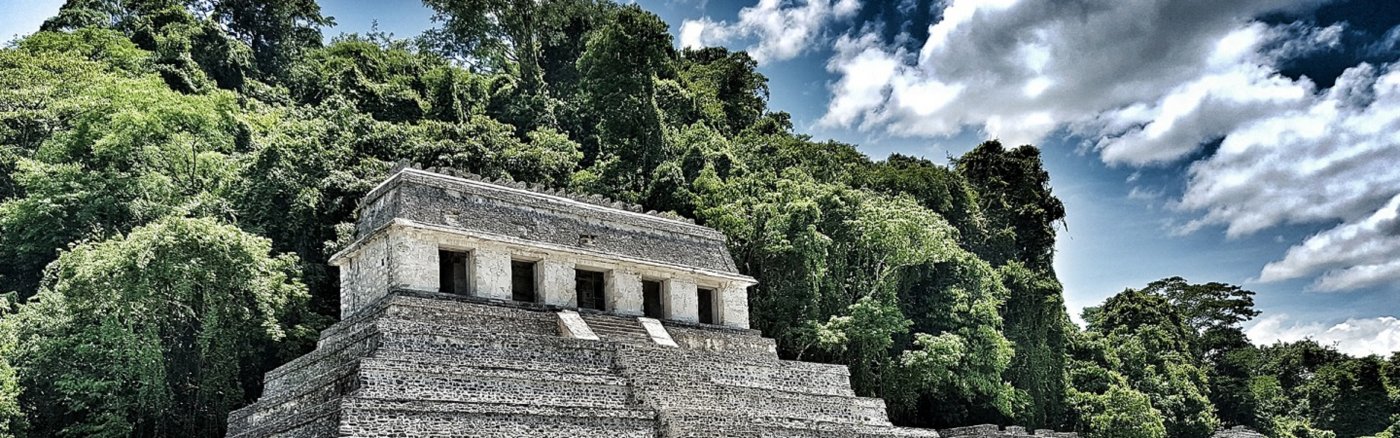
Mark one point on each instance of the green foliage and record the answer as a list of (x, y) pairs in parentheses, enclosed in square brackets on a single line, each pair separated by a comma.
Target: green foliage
[(12, 421), (181, 315), (277, 31), (1101, 401), (135, 152), (1289, 427), (388, 80), (1153, 345), (728, 89), (1037, 323), (1393, 430), (618, 72), (1014, 191), (43, 84), (1120, 412)]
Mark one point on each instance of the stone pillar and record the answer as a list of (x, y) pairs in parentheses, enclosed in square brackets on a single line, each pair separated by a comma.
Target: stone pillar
[(679, 300), (413, 261), (490, 273), (733, 305), (622, 289), (554, 283)]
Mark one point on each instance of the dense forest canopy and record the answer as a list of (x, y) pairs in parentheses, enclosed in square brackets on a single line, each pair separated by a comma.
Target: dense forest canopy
[(174, 175)]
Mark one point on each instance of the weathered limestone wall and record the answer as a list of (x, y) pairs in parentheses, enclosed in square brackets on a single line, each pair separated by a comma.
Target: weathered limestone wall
[(460, 203), (365, 277), (405, 255), (554, 281), (678, 298), (733, 305), (490, 273), (413, 261), (622, 288)]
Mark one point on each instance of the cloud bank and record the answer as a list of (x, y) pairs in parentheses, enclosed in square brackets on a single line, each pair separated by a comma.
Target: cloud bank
[(1152, 82), (781, 30), (1357, 336)]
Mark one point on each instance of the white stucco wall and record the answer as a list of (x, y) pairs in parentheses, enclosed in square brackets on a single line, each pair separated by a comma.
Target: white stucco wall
[(623, 291), (413, 260), (679, 300), (490, 273), (554, 283), (733, 306)]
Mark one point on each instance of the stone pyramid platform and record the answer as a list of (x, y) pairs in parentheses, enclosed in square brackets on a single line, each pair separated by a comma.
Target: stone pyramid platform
[(426, 364)]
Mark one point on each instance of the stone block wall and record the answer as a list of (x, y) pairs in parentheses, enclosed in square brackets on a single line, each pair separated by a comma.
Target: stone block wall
[(364, 278), (554, 281)]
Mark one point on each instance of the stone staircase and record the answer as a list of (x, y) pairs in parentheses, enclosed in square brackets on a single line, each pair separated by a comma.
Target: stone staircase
[(618, 329)]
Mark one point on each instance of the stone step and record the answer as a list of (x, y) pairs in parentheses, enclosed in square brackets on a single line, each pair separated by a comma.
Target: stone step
[(317, 365), (473, 316), (486, 369), (265, 420), (679, 367), (498, 361), (714, 425), (551, 350), (436, 419), (618, 329), (698, 398), (388, 381)]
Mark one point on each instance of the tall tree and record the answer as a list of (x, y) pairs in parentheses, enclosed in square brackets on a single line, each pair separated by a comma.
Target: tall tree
[(1021, 213), (731, 93), (1014, 192), (278, 31), (1154, 344), (182, 315), (493, 35), (1214, 312), (1038, 325), (619, 71)]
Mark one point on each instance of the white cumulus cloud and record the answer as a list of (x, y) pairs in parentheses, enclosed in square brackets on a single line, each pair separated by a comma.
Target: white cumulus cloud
[(1151, 82), (777, 29), (1356, 336), (1147, 80)]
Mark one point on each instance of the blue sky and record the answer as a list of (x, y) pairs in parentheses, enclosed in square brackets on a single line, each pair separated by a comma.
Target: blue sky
[(1250, 142)]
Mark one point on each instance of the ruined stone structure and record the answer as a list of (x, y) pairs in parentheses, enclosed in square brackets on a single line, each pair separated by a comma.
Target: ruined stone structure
[(484, 309), (1237, 432), (993, 431)]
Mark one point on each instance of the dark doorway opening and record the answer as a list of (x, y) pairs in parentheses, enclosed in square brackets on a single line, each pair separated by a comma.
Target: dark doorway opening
[(651, 298), (589, 286), (522, 281), (706, 305), (452, 272)]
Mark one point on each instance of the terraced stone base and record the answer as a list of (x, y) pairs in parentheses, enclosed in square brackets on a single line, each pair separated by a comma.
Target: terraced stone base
[(420, 364)]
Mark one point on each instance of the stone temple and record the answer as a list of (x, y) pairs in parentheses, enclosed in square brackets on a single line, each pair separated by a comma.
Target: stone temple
[(471, 308)]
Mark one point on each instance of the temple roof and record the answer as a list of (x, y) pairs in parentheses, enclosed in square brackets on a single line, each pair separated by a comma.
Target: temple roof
[(470, 204)]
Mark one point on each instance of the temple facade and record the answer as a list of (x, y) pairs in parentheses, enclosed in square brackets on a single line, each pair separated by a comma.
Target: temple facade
[(489, 309), (433, 232)]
